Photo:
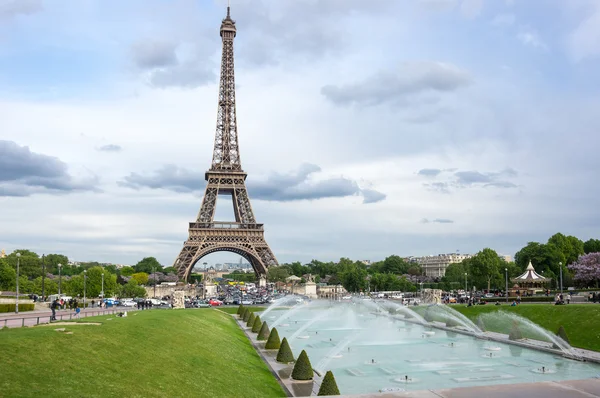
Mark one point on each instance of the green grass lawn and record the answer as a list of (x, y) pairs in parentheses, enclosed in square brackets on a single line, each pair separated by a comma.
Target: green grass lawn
[(233, 309), (581, 321), (174, 353)]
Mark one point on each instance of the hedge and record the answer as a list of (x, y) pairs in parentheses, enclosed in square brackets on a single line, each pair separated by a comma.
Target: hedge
[(251, 319), (285, 355), (302, 369), (328, 385), (273, 342), (264, 332), (531, 299), (256, 325), (11, 307)]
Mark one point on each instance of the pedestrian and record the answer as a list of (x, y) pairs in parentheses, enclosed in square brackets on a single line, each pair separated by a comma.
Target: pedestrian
[(594, 297), (77, 311), (53, 308)]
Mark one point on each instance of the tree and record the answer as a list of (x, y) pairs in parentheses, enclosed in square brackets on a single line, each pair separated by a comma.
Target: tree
[(52, 261), (30, 264), (256, 325), (284, 355), (273, 342), (127, 270), (131, 289), (395, 265), (50, 286), (328, 385), (591, 246), (484, 269), (148, 265), (8, 277), (302, 368), (240, 309), (587, 269), (246, 315), (278, 274), (264, 332), (140, 277)]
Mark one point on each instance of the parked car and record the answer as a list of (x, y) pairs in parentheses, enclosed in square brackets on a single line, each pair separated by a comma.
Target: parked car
[(215, 302), (128, 303), (203, 304), (247, 302)]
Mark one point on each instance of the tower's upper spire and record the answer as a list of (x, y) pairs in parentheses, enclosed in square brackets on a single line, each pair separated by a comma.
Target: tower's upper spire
[(228, 24), (226, 155)]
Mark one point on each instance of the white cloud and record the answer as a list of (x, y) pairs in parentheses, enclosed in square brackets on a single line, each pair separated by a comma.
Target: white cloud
[(584, 41), (530, 37)]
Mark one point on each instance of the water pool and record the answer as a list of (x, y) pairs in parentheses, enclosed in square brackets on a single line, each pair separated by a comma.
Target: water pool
[(369, 353)]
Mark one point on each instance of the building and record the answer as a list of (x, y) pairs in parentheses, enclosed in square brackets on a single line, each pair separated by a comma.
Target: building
[(435, 266)]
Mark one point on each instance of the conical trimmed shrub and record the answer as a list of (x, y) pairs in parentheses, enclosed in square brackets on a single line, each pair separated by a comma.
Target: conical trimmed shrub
[(246, 315), (257, 324), (515, 333), (273, 342), (328, 385), (251, 319), (285, 355), (240, 310), (562, 333), (263, 334), (302, 369)]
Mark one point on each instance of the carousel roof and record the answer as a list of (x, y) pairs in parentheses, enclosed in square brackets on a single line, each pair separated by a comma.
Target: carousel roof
[(530, 276)]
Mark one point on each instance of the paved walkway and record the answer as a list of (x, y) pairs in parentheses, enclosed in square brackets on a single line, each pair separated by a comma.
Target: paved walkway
[(32, 318)]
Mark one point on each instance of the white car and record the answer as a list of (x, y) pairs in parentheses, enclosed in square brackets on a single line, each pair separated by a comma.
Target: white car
[(128, 303)]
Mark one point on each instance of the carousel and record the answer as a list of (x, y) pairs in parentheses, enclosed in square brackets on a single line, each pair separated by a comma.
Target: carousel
[(528, 283)]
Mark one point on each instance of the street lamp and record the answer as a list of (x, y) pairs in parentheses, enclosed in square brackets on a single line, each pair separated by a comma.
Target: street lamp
[(561, 285), (465, 283), (102, 292), (43, 275), (506, 289), (17, 296), (59, 278), (84, 283), (154, 272)]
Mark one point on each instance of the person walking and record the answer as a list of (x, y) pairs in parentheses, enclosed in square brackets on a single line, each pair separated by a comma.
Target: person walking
[(53, 308)]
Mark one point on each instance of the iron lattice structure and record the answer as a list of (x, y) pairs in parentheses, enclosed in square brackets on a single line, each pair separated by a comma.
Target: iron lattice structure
[(244, 236)]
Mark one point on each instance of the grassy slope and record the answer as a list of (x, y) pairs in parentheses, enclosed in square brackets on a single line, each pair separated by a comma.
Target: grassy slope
[(155, 353), (233, 309), (582, 322)]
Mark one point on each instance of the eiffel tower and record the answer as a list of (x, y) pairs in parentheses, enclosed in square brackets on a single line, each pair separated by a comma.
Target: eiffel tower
[(225, 176)]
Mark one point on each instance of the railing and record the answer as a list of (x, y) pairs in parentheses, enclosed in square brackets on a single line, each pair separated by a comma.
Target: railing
[(224, 225), (36, 320)]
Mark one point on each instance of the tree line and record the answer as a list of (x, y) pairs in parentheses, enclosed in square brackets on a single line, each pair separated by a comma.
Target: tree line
[(120, 282)]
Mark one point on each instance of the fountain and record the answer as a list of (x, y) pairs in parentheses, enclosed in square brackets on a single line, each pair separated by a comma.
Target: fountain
[(370, 349), (531, 329), (276, 304)]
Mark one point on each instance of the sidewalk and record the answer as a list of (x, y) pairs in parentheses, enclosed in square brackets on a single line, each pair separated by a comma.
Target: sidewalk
[(32, 318)]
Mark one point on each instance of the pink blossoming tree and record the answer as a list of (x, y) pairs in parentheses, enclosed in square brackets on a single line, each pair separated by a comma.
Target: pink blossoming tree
[(587, 269)]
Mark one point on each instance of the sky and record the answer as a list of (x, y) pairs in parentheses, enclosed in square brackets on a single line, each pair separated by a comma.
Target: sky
[(367, 128)]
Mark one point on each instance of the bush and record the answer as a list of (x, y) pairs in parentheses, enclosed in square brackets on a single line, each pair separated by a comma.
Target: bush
[(523, 299), (515, 333), (257, 324), (273, 342), (285, 355), (240, 310), (328, 385), (263, 334), (302, 369), (251, 319), (11, 307), (246, 315), (562, 333)]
